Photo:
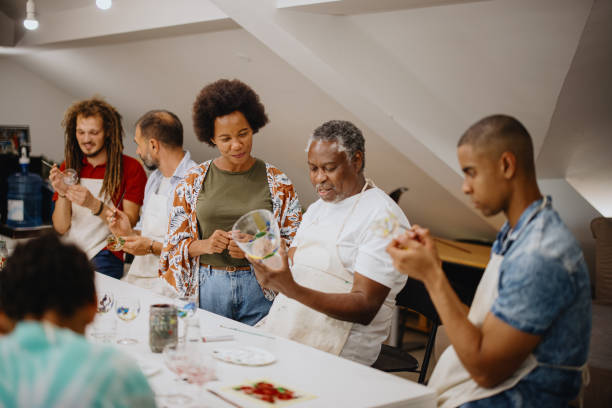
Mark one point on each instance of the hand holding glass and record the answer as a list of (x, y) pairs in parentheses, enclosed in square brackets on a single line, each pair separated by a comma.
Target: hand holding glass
[(256, 233)]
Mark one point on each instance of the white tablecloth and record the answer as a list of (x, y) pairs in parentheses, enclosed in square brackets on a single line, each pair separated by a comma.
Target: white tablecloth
[(334, 381)]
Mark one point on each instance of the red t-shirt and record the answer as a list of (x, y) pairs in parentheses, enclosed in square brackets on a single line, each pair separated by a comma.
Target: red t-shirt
[(133, 182)]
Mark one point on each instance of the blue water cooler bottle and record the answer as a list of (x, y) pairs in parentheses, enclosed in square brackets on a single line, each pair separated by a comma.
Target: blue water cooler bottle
[(24, 196)]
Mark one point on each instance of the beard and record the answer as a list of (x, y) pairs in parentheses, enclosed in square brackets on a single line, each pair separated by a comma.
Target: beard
[(338, 197), (151, 166), (94, 154), (149, 163)]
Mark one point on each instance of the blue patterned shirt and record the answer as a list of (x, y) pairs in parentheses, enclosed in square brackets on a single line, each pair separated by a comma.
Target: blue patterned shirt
[(544, 290), (42, 366)]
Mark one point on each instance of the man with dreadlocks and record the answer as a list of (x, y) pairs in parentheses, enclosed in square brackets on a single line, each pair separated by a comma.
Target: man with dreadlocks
[(108, 179)]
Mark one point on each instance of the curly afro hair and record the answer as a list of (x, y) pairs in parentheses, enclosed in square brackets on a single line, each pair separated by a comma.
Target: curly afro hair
[(221, 98), (45, 274)]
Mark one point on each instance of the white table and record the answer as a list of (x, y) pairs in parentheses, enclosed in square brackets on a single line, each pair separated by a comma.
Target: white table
[(336, 382)]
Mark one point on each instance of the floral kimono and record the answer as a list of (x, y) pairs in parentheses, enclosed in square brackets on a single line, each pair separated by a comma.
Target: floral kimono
[(176, 267)]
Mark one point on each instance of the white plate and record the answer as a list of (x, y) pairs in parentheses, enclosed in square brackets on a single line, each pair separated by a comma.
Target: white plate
[(249, 356), (149, 368)]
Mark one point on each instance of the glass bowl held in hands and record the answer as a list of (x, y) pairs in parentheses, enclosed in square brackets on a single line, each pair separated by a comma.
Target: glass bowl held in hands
[(388, 226), (70, 177), (257, 235), (114, 243)]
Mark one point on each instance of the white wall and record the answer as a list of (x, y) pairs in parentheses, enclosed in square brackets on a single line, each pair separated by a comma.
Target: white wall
[(138, 75), (26, 99)]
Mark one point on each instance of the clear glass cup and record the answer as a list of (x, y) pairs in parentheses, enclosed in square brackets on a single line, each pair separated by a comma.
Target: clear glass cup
[(127, 309), (104, 328), (71, 177), (175, 358), (388, 226), (200, 368), (186, 307), (104, 301)]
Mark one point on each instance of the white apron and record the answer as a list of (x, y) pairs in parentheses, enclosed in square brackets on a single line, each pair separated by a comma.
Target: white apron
[(88, 231), (144, 269), (451, 380), (316, 265)]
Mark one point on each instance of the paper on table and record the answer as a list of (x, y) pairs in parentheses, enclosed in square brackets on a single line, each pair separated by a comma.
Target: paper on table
[(248, 356), (254, 399)]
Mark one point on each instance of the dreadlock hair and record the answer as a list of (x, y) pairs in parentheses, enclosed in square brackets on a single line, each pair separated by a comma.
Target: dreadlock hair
[(113, 141)]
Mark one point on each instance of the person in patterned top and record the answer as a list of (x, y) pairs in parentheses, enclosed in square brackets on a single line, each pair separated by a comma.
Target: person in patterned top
[(199, 255)]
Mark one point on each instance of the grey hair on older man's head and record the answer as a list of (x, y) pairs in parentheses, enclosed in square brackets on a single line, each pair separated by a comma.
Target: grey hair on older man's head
[(347, 137)]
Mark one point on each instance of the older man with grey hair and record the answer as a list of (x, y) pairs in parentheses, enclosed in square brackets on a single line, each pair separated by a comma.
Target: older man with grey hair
[(337, 284)]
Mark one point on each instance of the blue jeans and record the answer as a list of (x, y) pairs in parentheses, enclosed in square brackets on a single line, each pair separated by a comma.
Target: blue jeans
[(236, 295), (108, 264)]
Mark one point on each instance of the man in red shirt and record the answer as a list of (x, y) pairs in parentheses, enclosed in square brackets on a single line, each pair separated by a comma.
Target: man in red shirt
[(108, 179)]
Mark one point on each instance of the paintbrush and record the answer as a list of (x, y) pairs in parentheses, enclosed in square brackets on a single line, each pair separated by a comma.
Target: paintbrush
[(246, 331), (46, 163)]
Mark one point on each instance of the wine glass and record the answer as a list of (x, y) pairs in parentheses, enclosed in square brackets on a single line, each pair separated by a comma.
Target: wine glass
[(257, 235), (186, 307), (127, 309), (388, 226), (104, 328), (176, 357), (105, 301), (200, 368)]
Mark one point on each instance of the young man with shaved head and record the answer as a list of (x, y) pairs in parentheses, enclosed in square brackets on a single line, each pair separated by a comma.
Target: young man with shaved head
[(159, 137), (524, 340)]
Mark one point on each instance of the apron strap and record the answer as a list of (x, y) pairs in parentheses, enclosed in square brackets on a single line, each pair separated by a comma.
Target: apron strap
[(368, 183)]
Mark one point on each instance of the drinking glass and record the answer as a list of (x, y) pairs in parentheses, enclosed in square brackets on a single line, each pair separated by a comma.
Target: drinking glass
[(114, 242), (257, 235), (200, 368), (127, 309), (388, 226), (186, 307), (105, 301), (71, 177), (176, 357), (104, 328)]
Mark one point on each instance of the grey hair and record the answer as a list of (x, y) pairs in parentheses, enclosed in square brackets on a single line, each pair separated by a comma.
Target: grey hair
[(346, 136)]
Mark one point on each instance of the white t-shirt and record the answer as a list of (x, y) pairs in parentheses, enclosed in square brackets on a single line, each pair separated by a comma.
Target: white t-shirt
[(164, 186), (361, 250)]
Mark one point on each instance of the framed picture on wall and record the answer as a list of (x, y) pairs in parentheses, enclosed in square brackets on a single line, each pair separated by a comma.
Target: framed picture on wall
[(12, 138)]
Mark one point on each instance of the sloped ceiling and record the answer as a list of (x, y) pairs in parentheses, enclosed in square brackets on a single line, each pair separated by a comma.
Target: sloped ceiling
[(578, 146), (413, 76)]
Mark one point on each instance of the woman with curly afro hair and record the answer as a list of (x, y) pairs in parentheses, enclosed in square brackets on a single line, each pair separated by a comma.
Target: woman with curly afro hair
[(199, 254)]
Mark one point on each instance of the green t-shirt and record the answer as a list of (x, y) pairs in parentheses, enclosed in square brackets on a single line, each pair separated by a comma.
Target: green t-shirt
[(225, 196)]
